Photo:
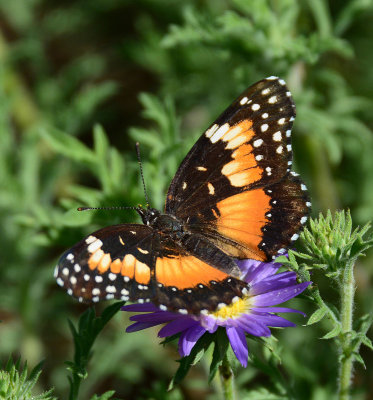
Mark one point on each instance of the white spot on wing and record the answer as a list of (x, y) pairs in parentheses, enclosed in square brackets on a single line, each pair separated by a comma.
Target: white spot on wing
[(243, 101), (264, 127), (112, 276), (272, 99), (258, 142), (90, 239), (255, 107), (277, 136), (111, 289), (211, 130), (94, 246), (279, 149), (219, 133)]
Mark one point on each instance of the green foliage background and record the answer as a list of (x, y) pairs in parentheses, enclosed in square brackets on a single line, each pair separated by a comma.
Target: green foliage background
[(81, 81)]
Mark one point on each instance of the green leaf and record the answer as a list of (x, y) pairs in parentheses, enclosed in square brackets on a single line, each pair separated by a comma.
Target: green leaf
[(317, 316), (367, 342), (68, 145), (333, 333), (195, 355), (105, 396), (359, 359), (16, 384), (221, 346), (89, 326)]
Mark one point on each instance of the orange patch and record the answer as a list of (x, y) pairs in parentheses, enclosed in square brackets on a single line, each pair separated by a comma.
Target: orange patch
[(142, 273), (128, 266), (241, 218), (238, 134), (186, 272), (104, 263), (116, 266), (243, 170), (95, 258)]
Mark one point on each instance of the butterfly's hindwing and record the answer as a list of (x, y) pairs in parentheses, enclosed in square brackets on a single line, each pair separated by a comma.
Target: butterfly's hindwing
[(110, 263), (135, 262)]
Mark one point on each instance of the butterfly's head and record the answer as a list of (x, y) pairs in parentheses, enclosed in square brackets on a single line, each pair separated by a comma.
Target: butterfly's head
[(148, 215)]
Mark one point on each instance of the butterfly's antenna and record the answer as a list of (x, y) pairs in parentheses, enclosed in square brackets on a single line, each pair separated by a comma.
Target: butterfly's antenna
[(105, 208), (142, 175)]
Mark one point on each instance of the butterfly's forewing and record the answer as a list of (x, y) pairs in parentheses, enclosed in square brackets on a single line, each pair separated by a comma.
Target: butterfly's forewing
[(235, 184)]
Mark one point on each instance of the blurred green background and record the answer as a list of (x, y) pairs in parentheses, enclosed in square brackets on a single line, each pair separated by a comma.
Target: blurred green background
[(81, 81)]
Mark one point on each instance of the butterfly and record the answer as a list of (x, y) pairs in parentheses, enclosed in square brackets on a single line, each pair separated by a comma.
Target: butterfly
[(233, 197)]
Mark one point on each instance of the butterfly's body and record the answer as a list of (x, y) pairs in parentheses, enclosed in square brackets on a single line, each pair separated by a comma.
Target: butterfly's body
[(233, 197)]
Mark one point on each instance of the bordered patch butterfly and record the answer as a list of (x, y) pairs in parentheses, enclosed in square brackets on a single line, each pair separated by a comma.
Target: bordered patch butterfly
[(233, 197)]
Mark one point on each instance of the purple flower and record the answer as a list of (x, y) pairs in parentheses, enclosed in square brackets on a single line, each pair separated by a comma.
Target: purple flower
[(252, 314)]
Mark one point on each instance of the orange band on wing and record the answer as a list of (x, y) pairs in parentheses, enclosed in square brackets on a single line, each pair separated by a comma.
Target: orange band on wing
[(95, 258), (142, 273), (186, 272), (242, 218), (128, 266), (116, 266), (238, 134)]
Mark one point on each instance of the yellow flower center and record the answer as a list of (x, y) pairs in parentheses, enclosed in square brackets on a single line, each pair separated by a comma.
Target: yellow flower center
[(233, 310)]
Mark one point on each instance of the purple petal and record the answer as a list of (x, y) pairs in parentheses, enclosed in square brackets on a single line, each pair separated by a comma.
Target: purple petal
[(255, 271), (253, 326), (189, 338), (209, 323), (138, 326), (279, 296), (160, 316), (237, 339), (146, 307), (277, 310), (274, 282), (177, 326), (272, 320)]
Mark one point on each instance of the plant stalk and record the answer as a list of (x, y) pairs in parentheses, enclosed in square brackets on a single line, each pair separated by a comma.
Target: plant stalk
[(227, 379), (347, 290)]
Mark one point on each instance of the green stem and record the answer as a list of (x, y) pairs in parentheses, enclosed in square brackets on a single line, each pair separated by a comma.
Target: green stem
[(347, 298), (227, 379)]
